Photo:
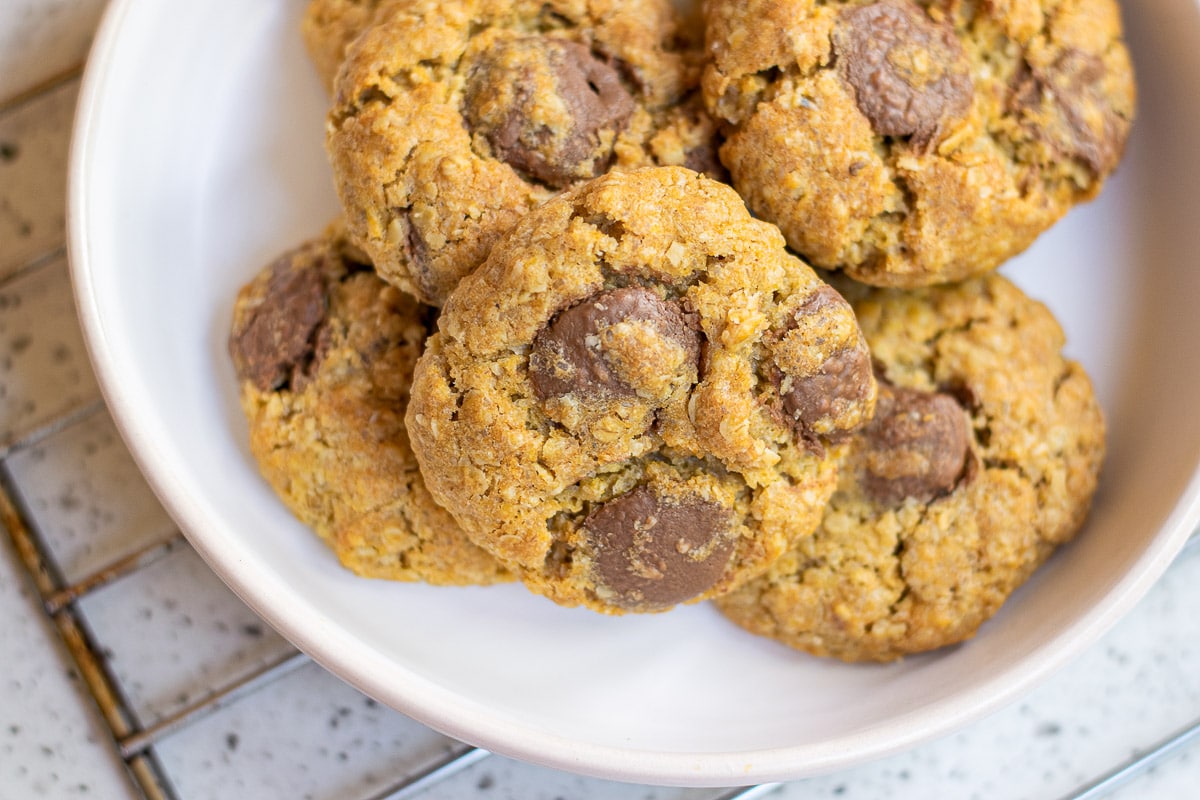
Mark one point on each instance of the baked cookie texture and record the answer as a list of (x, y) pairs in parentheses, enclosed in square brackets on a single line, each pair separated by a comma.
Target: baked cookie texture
[(982, 457), (324, 352), (631, 402), (329, 27), (914, 142), (453, 118)]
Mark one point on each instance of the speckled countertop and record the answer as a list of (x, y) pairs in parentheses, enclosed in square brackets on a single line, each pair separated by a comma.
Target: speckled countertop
[(199, 699)]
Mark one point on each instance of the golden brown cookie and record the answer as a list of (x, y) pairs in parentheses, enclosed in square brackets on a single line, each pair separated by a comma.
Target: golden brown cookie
[(630, 402), (324, 353), (329, 27), (453, 118), (982, 457), (913, 142)]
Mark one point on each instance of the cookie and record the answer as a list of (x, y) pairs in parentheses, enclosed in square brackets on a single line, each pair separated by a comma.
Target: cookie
[(453, 118), (915, 142), (324, 351), (328, 28), (631, 402), (982, 458)]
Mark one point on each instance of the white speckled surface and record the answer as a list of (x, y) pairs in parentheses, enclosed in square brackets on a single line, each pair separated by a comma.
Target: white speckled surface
[(33, 172), (171, 633), (88, 498), (52, 743), (41, 39), (44, 369), (307, 735)]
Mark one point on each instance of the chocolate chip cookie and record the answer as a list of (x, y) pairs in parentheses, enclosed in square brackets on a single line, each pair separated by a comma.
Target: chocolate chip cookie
[(914, 142), (635, 401), (324, 352), (454, 118), (982, 457), (329, 27)]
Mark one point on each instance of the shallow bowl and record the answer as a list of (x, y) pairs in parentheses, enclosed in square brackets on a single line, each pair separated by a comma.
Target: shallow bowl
[(198, 158)]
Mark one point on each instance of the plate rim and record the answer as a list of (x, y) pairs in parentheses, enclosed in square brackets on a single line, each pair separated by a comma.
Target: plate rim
[(364, 667)]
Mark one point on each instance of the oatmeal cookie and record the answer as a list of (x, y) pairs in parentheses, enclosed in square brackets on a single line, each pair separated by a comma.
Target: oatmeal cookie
[(453, 118), (324, 352), (914, 142), (631, 402), (329, 27), (982, 457)]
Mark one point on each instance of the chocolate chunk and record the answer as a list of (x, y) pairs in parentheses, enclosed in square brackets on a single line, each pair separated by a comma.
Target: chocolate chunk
[(416, 250), (572, 354), (843, 379), (917, 446), (278, 341), (422, 273), (1081, 121), (909, 73), (531, 135), (652, 552), (703, 159)]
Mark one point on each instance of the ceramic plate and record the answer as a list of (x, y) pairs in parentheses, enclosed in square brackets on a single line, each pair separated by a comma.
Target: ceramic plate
[(198, 158)]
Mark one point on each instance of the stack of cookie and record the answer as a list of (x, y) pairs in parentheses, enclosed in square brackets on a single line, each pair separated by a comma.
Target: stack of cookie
[(567, 331)]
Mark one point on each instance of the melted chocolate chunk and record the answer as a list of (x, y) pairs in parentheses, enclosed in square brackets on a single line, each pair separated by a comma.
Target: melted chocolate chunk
[(917, 446), (420, 270), (279, 342), (652, 552), (844, 378), (568, 355), (1082, 122), (416, 250), (590, 90), (910, 74)]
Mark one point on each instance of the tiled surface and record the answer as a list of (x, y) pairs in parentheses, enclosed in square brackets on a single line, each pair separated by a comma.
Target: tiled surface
[(52, 743), (495, 777), (170, 634), (44, 369), (34, 141), (43, 38), (86, 496), (319, 739)]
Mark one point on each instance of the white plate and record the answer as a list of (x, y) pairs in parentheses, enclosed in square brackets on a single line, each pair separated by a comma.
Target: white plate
[(198, 158)]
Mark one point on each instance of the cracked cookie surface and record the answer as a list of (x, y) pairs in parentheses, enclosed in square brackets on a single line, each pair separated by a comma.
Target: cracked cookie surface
[(632, 401), (324, 352), (982, 457), (914, 142), (452, 119)]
